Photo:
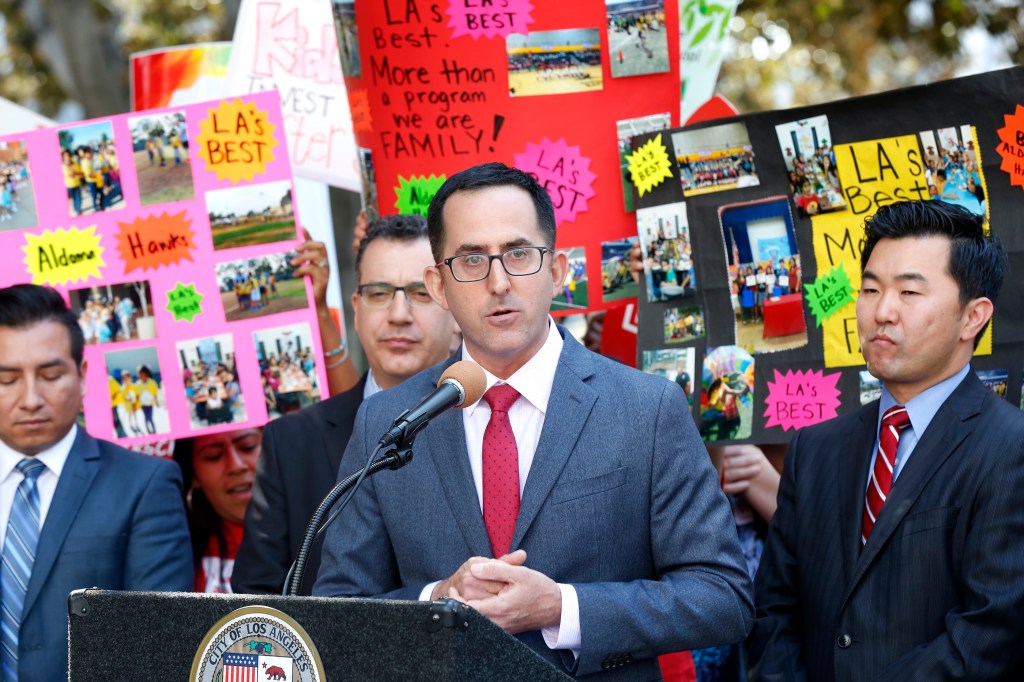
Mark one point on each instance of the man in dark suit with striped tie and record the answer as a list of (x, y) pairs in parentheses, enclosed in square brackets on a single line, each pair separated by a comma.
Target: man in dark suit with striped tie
[(895, 551), (75, 511)]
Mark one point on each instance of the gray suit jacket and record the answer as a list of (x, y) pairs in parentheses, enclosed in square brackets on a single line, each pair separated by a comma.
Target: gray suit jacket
[(621, 502), (117, 522), (938, 591)]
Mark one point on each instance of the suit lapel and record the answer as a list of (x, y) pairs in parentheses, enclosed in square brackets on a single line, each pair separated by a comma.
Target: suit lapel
[(852, 482), (950, 426), (445, 440), (338, 427), (81, 467), (569, 407)]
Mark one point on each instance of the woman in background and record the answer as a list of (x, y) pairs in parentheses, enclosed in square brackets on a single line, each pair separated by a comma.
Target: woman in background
[(220, 469)]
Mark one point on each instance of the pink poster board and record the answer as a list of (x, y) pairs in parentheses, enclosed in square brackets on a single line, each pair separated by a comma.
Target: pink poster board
[(168, 231)]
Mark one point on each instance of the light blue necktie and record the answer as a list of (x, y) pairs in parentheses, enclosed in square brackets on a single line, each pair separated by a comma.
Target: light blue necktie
[(19, 555)]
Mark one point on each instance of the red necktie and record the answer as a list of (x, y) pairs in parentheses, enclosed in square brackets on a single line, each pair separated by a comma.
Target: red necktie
[(894, 421), (500, 470)]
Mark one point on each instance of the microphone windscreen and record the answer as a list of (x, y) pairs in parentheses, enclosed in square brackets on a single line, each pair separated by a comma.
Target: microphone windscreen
[(470, 376)]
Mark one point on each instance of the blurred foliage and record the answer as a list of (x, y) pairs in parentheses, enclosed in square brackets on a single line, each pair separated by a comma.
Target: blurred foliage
[(58, 50), (785, 53)]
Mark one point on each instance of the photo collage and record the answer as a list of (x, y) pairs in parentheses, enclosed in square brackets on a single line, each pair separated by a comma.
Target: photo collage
[(682, 326), (200, 307)]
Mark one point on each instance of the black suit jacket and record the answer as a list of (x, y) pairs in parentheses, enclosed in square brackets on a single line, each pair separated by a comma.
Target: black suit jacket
[(938, 591), (298, 466)]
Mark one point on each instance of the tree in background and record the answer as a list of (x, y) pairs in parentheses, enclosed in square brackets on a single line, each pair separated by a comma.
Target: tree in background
[(786, 53), (783, 52), (53, 51)]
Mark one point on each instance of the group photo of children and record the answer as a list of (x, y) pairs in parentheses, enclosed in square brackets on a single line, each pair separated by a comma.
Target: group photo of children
[(287, 368), (211, 381), (715, 159), (114, 312), (811, 163), (668, 256), (92, 172), (254, 287), (17, 201), (136, 393), (160, 147), (553, 62), (952, 168)]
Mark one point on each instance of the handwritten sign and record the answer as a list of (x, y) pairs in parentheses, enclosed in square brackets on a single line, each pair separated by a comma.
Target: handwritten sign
[(830, 293), (563, 172), (1011, 146), (151, 241), (414, 194), (798, 399), (61, 256), (184, 302), (237, 141), (489, 18), (291, 46), (649, 165)]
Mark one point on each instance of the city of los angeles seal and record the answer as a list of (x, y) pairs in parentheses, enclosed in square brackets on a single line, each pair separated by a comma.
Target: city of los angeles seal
[(260, 644)]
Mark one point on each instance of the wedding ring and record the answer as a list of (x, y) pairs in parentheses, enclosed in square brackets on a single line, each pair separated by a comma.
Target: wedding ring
[(322, 263)]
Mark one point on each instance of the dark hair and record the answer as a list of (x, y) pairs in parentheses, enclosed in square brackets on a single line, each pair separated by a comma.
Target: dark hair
[(399, 228), (203, 521), (480, 177), (976, 263), (25, 305)]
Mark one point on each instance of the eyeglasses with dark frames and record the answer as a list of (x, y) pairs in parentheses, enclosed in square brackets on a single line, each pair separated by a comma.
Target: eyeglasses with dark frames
[(519, 261), (380, 294)]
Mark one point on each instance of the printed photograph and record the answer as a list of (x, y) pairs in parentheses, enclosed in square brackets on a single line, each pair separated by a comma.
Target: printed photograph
[(211, 381), (369, 182), (160, 147), (995, 380), (764, 273), (109, 313), (251, 214), (264, 285), (554, 62), (287, 368), (136, 392), (727, 394), (348, 37), (574, 294), (715, 159), (637, 37), (668, 256), (683, 324), (627, 130), (811, 163), (952, 167), (616, 281), (870, 387), (90, 164), (675, 364), (17, 200)]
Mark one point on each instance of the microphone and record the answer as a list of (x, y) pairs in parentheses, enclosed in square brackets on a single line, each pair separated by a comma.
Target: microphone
[(461, 384)]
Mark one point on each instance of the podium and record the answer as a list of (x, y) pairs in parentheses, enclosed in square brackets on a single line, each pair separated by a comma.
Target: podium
[(156, 635)]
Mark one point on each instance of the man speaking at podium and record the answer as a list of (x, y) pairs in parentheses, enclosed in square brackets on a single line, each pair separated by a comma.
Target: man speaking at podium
[(75, 512), (574, 505)]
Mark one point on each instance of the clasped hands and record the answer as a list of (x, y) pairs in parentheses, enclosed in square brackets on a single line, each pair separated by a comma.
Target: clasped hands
[(516, 598)]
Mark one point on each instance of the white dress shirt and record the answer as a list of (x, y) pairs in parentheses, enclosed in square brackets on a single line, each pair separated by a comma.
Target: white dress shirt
[(46, 484), (533, 381)]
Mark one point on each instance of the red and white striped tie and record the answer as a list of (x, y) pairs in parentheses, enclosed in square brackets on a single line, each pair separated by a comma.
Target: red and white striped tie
[(894, 421)]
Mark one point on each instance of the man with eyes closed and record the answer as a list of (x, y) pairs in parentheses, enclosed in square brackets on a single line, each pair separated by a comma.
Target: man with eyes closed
[(574, 504), (75, 511), (895, 551), (403, 331)]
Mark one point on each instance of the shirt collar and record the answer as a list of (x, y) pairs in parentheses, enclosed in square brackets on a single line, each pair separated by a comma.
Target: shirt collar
[(371, 385), (53, 457), (534, 379), (922, 407)]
